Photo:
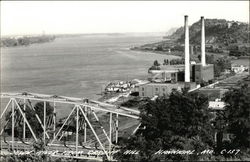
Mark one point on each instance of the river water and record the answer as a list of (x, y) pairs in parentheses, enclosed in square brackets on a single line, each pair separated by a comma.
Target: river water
[(75, 66)]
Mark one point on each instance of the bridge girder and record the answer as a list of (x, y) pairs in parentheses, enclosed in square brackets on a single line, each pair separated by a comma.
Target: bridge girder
[(81, 105)]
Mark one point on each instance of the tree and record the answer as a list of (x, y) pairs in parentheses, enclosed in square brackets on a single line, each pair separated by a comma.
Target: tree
[(154, 68), (180, 121), (156, 63), (39, 108), (221, 65), (159, 48), (209, 59), (31, 117), (237, 116), (165, 62)]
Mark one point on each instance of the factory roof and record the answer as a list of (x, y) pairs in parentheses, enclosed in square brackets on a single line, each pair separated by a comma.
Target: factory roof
[(170, 84), (172, 67), (205, 65), (165, 84)]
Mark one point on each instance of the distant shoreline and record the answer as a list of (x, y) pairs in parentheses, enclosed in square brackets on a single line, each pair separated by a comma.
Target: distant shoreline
[(25, 40)]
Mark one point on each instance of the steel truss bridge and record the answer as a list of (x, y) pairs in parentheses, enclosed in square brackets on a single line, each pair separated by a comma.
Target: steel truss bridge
[(52, 134)]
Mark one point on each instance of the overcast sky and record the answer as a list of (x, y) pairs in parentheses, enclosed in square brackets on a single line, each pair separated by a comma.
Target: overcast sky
[(58, 17)]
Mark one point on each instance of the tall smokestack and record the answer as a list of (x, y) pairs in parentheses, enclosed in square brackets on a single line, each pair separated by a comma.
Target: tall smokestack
[(187, 62), (203, 56)]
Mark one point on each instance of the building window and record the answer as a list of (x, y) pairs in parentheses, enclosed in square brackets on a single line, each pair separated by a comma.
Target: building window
[(142, 88), (156, 89), (142, 94), (163, 89)]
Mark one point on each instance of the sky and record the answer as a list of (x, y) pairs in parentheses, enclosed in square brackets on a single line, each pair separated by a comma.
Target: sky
[(65, 17)]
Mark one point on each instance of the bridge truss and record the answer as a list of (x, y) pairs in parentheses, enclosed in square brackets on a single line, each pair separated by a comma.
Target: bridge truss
[(82, 110)]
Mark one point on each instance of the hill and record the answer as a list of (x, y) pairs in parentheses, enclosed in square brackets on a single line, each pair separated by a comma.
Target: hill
[(231, 37), (169, 32), (218, 31)]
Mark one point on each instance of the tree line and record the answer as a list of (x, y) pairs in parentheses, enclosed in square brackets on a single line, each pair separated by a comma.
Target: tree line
[(182, 121)]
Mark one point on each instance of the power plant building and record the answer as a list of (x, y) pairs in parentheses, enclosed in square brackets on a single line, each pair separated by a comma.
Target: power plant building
[(203, 73), (160, 89), (178, 76)]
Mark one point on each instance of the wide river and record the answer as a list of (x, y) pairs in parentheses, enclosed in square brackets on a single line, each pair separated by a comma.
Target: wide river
[(75, 66)]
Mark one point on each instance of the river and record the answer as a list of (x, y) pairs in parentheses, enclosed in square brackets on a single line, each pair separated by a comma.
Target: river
[(75, 66)]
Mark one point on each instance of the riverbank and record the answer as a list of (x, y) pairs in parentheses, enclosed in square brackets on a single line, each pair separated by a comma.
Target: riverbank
[(244, 60), (179, 54)]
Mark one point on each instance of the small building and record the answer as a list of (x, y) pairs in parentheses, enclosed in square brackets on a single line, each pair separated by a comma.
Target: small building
[(216, 105), (213, 93), (229, 24), (238, 68)]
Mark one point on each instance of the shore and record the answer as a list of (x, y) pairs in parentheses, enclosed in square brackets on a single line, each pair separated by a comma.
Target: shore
[(175, 53), (244, 60)]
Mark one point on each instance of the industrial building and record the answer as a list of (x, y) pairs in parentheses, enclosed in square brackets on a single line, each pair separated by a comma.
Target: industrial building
[(202, 73), (160, 89), (179, 76), (168, 73)]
